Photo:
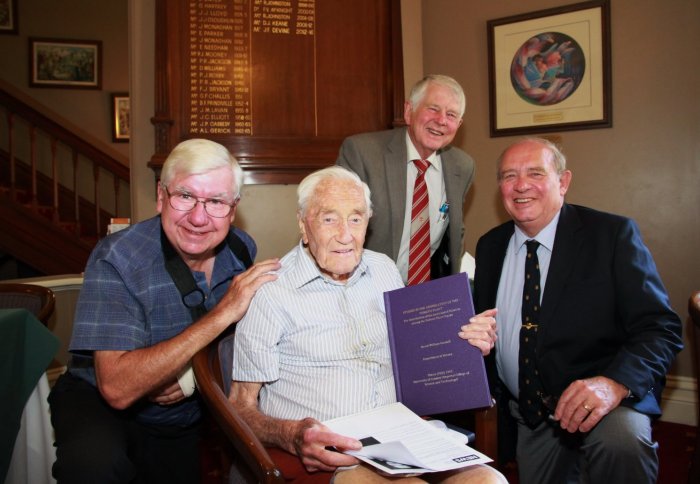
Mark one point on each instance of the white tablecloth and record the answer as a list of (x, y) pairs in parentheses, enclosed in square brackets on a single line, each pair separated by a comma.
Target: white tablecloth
[(34, 453)]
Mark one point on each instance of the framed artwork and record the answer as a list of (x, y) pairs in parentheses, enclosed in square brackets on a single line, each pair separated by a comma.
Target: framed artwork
[(65, 63), (550, 70), (121, 117), (8, 16)]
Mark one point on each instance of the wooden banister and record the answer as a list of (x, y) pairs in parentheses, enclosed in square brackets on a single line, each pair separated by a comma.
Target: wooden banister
[(41, 121), (48, 167)]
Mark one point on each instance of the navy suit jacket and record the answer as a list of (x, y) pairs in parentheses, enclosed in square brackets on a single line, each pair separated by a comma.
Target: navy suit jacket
[(380, 159), (604, 309)]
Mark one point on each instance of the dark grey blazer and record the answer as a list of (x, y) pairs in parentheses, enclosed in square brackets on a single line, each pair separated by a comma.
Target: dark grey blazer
[(379, 158)]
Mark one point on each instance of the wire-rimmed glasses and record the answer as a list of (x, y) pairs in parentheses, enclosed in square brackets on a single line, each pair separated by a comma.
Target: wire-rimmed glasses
[(185, 202)]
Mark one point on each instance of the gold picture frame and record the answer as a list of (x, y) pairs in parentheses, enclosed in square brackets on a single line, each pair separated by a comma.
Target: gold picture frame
[(65, 63), (550, 70), (121, 117), (8, 17)]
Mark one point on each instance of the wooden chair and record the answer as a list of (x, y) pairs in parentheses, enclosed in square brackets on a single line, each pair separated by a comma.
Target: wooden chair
[(38, 300), (257, 462), (694, 310), (248, 454)]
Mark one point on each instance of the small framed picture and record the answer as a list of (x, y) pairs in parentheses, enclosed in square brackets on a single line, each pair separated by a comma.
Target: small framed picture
[(64, 63), (550, 70), (121, 114), (8, 16)]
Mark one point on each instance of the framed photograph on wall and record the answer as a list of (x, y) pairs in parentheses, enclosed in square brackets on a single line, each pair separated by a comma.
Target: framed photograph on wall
[(8, 17), (121, 117), (64, 63), (550, 70)]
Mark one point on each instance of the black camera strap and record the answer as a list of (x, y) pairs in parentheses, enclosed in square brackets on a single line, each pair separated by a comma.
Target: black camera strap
[(192, 296)]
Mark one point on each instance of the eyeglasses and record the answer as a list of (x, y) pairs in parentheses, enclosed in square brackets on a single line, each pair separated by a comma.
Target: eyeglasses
[(184, 202)]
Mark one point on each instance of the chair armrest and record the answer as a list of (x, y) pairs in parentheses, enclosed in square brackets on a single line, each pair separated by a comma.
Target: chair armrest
[(486, 428), (245, 442), (483, 422)]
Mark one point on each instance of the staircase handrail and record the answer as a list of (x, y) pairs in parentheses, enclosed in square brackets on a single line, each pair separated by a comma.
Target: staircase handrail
[(58, 130)]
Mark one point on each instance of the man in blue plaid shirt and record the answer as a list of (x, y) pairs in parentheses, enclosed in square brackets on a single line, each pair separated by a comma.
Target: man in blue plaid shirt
[(122, 412)]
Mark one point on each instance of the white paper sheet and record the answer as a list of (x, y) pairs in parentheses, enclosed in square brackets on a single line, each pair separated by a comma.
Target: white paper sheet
[(397, 441)]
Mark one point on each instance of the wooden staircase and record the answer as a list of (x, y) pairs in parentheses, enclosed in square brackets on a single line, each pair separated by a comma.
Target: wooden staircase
[(57, 189)]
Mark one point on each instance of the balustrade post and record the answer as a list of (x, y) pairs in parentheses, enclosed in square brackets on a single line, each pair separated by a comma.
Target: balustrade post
[(96, 177), (11, 148), (32, 164), (54, 181), (76, 198)]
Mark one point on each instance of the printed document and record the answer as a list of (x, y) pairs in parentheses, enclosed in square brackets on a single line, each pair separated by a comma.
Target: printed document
[(397, 441)]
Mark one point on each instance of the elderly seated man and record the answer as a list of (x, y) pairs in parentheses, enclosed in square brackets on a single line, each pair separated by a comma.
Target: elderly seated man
[(314, 346)]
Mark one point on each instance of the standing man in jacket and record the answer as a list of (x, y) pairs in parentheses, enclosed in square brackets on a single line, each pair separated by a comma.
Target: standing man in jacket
[(388, 162)]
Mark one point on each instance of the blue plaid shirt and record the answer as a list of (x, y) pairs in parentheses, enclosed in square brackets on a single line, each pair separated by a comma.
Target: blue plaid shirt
[(129, 301)]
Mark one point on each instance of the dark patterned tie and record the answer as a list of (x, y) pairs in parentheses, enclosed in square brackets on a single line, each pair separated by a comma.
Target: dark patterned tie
[(530, 398)]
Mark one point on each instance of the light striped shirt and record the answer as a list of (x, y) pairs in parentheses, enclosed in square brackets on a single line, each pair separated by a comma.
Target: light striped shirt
[(320, 347)]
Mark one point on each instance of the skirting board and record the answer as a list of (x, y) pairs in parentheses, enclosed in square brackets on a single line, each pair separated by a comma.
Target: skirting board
[(679, 400)]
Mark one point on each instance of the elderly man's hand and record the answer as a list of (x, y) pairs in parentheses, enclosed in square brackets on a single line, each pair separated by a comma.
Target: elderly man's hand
[(481, 331), (584, 403), (310, 441)]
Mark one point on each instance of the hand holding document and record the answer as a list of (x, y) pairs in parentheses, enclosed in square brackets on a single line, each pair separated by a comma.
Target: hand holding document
[(397, 441), (434, 370)]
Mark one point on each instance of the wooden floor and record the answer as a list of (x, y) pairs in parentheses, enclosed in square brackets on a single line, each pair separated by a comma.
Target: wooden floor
[(676, 445)]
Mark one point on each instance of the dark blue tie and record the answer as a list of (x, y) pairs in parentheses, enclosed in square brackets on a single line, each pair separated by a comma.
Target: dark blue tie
[(530, 398)]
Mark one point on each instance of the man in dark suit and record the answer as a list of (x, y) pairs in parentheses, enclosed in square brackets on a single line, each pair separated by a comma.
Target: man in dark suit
[(603, 338), (384, 160)]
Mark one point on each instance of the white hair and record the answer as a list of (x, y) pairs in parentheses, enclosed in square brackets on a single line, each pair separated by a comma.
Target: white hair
[(558, 158), (308, 186), (418, 90), (197, 156)]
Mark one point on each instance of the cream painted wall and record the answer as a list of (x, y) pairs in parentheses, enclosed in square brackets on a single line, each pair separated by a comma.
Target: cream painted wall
[(412, 39), (647, 166), (76, 19)]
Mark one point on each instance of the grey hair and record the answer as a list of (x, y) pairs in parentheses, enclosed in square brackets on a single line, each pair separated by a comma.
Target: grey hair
[(197, 156), (558, 157), (308, 186), (418, 90)]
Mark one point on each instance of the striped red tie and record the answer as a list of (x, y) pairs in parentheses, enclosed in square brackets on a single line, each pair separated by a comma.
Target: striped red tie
[(419, 246)]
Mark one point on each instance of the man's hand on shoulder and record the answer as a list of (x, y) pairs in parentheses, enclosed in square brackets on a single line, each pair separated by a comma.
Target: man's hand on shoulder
[(585, 402), (244, 286), (311, 441)]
